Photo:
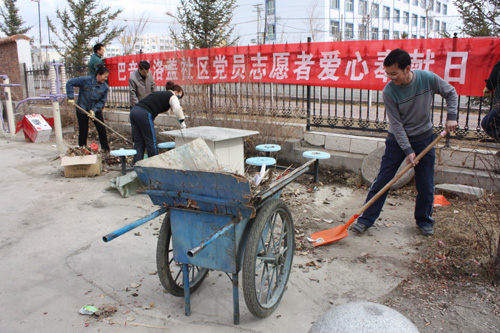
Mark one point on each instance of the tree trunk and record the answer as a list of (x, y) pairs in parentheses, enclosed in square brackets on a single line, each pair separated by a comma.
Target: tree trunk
[(496, 268)]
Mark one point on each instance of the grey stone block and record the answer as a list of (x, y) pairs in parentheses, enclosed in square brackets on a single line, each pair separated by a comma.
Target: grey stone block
[(463, 191), (371, 166), (489, 181), (363, 317), (314, 138)]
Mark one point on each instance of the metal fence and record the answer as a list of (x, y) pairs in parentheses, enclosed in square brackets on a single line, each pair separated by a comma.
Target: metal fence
[(352, 110)]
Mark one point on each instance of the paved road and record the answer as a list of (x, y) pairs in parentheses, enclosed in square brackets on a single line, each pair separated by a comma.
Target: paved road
[(53, 260)]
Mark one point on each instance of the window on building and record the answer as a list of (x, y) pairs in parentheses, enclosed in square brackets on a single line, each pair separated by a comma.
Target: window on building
[(415, 3), (386, 13), (414, 20), (349, 6), (436, 25), (362, 32), (334, 28), (423, 3), (431, 5), (438, 7), (271, 32), (422, 22), (349, 31), (335, 4), (445, 9), (443, 26), (395, 35), (414, 36), (375, 9), (362, 8), (422, 37), (406, 18), (406, 1), (385, 34), (430, 22), (374, 33), (397, 14), (270, 7)]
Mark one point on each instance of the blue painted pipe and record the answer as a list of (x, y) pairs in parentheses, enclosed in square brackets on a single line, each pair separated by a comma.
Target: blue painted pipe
[(127, 228)]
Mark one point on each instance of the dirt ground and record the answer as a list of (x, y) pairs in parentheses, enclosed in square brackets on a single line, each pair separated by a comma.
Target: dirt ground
[(431, 300), (54, 261)]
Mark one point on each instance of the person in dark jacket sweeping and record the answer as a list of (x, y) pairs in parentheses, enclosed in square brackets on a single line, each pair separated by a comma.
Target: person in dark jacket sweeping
[(92, 95), (491, 122), (143, 114)]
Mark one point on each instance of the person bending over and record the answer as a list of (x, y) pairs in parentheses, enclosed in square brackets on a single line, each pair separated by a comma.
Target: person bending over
[(143, 114)]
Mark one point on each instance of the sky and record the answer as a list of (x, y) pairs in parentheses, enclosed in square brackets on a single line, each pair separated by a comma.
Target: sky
[(245, 16), (159, 22)]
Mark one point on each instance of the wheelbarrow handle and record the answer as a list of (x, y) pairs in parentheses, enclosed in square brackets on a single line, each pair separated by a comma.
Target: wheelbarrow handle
[(128, 227)]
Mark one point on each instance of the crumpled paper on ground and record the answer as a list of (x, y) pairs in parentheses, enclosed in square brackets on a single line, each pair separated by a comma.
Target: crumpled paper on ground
[(127, 184)]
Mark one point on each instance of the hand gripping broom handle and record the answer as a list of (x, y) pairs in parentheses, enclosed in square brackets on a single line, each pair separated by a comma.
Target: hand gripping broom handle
[(100, 122), (399, 175)]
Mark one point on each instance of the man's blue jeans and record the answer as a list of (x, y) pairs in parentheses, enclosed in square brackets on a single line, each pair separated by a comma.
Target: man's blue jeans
[(424, 181), (491, 124)]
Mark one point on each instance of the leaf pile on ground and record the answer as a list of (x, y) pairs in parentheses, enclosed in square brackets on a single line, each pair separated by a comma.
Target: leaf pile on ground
[(465, 244)]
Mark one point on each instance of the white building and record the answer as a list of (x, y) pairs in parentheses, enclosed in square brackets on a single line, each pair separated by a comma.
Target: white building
[(113, 50), (151, 44), (292, 21)]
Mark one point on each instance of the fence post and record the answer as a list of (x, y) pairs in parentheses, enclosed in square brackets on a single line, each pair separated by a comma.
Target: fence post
[(308, 126)]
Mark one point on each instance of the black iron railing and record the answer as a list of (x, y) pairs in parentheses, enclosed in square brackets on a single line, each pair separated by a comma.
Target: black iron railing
[(351, 110)]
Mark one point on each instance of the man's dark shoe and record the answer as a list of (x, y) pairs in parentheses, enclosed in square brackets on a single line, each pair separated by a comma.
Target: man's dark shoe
[(359, 228), (427, 230)]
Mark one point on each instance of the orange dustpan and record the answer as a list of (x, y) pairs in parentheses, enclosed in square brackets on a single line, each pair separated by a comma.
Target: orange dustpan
[(332, 235)]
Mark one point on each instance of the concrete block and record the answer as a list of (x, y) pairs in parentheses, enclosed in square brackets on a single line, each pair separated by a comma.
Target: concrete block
[(455, 158), (314, 138), (111, 116), (124, 117), (338, 143), (486, 161), (463, 191), (363, 317), (363, 145), (487, 180), (371, 167), (381, 143)]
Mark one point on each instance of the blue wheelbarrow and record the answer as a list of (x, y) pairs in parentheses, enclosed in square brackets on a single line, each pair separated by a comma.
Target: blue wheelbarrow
[(214, 222)]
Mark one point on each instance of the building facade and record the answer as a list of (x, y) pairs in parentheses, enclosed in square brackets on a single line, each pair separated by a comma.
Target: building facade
[(331, 20)]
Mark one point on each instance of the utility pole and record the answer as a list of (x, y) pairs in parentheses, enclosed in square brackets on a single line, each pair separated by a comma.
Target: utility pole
[(259, 9)]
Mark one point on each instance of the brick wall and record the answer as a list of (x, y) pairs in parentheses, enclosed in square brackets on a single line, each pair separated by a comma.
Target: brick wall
[(9, 65)]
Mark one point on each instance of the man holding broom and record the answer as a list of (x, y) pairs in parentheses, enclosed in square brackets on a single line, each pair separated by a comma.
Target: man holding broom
[(408, 99)]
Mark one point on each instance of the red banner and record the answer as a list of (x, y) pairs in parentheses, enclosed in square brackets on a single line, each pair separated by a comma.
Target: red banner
[(463, 62)]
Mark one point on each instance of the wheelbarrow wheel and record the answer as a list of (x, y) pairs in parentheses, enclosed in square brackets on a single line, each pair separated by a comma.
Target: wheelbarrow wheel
[(268, 258), (169, 270)]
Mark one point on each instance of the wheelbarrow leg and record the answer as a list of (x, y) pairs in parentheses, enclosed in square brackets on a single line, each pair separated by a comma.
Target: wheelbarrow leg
[(187, 296), (236, 301)]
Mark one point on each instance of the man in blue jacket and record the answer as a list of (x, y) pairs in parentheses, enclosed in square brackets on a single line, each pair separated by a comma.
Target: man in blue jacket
[(92, 95)]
